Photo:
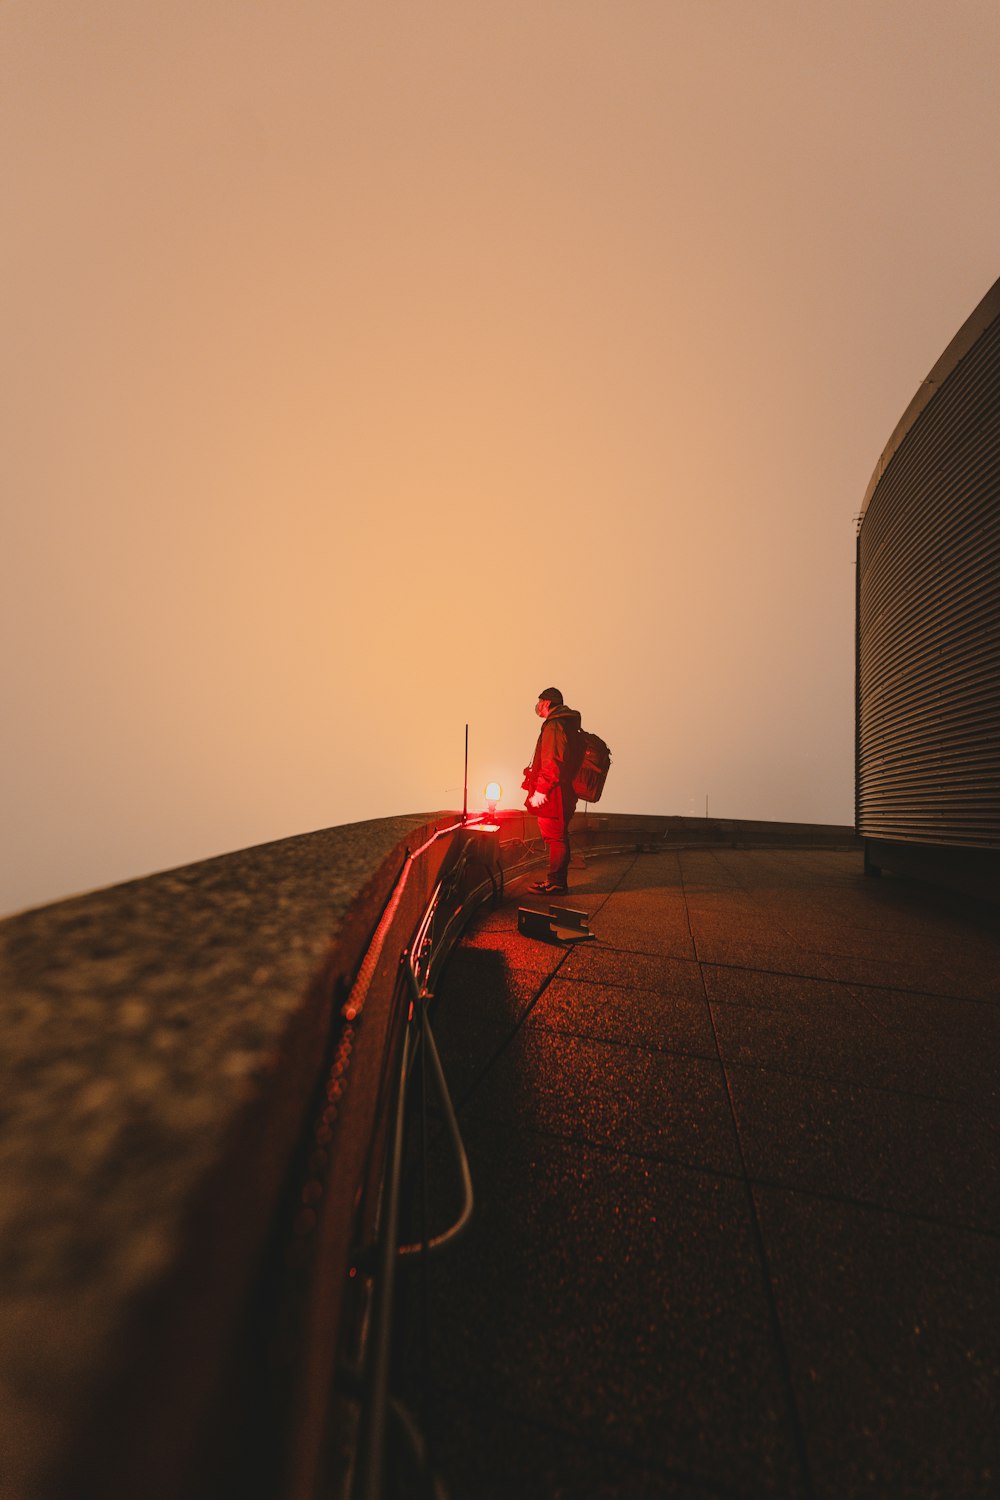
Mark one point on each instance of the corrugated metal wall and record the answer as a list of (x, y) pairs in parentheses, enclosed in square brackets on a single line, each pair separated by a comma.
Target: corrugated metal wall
[(928, 620)]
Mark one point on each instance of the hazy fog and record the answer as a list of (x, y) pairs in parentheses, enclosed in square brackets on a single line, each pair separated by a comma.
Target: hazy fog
[(368, 367)]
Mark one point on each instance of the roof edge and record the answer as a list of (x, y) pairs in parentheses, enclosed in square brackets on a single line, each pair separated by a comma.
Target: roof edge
[(975, 324)]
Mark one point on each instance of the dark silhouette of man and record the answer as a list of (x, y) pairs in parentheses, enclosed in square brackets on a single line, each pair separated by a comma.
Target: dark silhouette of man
[(549, 784)]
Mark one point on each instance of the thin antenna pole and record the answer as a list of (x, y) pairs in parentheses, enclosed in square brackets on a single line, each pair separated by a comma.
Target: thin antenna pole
[(465, 779)]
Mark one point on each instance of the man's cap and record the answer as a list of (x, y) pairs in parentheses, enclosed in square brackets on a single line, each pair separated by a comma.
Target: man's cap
[(551, 695)]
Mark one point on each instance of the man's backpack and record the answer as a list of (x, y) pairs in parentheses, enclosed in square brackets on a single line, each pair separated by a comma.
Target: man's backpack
[(593, 768)]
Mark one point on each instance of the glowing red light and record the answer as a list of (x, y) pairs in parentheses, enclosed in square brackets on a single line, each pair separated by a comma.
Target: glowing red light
[(493, 792)]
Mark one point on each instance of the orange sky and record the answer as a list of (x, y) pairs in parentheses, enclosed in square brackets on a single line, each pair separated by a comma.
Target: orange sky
[(367, 367)]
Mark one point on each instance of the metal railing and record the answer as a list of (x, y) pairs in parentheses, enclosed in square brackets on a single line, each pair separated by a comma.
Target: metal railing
[(385, 1429), (418, 1050)]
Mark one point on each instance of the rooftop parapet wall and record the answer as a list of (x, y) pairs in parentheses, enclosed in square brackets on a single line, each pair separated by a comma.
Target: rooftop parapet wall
[(166, 1038), (598, 829)]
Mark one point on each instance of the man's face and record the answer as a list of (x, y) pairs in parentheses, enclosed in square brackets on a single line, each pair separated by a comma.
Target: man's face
[(542, 708)]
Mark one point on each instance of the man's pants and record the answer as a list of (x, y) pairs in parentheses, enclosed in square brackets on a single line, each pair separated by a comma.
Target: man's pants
[(555, 832)]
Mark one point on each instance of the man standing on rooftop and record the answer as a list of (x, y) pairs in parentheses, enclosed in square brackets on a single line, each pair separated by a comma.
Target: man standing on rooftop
[(549, 784)]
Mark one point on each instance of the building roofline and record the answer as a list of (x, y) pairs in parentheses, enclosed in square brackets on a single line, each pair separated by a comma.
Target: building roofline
[(975, 324)]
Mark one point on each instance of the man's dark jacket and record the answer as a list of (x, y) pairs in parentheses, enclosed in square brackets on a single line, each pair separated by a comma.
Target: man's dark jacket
[(555, 763)]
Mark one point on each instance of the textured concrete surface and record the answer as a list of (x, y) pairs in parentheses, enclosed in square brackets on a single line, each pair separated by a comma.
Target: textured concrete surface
[(738, 1222), (144, 1028)]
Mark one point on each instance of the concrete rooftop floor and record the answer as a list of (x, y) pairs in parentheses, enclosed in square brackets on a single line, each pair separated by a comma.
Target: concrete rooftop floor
[(737, 1201)]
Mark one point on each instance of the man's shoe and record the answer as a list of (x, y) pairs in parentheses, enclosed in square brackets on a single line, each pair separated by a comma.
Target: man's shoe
[(549, 890)]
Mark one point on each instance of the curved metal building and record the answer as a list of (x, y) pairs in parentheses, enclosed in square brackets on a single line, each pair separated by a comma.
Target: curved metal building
[(928, 623)]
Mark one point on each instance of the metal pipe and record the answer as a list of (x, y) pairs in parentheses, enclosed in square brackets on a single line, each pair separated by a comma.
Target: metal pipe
[(439, 1241), (374, 1439)]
